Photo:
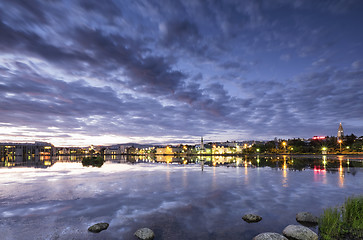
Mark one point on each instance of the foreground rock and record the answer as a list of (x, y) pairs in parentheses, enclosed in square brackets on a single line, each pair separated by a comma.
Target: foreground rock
[(250, 218), (98, 227), (298, 232), (269, 236), (144, 234), (306, 217)]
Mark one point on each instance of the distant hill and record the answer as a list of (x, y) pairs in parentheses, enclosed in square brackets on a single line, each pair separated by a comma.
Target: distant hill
[(136, 145)]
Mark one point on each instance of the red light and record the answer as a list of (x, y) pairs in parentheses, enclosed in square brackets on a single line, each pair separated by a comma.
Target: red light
[(318, 137), (318, 170)]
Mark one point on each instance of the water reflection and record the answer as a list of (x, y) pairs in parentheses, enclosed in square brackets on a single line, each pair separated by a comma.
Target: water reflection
[(179, 198), (322, 164), (284, 173)]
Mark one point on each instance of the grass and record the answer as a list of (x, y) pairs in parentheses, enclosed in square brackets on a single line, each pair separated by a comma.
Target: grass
[(345, 222)]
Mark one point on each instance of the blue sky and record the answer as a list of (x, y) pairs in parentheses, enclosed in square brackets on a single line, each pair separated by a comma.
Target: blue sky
[(104, 72)]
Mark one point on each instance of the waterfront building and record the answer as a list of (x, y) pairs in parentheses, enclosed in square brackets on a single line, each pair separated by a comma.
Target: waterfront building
[(132, 150), (22, 152), (340, 132), (114, 151), (168, 150), (61, 151)]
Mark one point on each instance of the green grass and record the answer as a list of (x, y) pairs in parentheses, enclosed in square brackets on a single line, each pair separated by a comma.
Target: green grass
[(345, 222)]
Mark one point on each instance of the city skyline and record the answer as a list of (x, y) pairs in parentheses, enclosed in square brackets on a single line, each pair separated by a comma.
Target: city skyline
[(86, 72)]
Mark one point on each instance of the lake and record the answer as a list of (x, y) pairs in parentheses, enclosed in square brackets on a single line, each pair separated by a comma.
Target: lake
[(178, 198)]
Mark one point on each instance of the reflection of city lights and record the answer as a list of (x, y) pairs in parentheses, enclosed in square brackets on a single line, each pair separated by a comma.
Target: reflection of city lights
[(318, 170), (341, 174)]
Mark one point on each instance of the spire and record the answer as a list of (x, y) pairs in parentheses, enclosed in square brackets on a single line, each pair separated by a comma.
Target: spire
[(201, 143), (340, 132)]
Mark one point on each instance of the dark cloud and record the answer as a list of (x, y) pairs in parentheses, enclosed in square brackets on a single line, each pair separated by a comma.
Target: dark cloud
[(179, 33), (181, 69)]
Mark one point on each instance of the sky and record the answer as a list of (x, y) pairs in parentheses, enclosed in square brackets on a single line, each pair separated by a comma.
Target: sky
[(169, 71)]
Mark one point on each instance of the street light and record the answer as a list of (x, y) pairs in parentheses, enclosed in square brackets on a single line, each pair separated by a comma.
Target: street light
[(340, 144), (284, 144), (323, 150)]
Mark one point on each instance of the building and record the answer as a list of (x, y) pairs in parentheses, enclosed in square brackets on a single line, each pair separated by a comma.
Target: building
[(113, 151), (22, 152), (168, 150), (340, 132)]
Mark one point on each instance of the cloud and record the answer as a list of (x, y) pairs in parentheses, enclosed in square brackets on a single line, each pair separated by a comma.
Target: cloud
[(179, 68), (356, 64), (319, 62), (179, 33)]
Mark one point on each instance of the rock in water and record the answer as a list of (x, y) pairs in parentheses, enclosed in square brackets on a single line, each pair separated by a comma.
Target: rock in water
[(306, 217), (269, 236), (98, 227), (144, 234), (298, 232), (250, 218)]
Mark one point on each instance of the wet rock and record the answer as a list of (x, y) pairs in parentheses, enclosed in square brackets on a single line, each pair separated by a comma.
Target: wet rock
[(269, 236), (98, 227), (298, 232), (250, 218), (306, 217), (144, 234)]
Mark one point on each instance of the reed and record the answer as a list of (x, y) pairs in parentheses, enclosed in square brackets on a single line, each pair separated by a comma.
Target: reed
[(345, 222)]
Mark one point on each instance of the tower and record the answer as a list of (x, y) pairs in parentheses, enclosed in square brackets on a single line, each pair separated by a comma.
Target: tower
[(201, 144), (340, 132)]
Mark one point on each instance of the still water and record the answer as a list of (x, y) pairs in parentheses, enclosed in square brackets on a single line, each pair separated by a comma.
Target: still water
[(179, 198)]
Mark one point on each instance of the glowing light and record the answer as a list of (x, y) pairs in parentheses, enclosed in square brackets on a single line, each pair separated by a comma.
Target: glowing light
[(318, 137), (318, 170)]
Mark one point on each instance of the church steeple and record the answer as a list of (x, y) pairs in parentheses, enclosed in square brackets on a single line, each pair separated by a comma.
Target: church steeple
[(340, 132)]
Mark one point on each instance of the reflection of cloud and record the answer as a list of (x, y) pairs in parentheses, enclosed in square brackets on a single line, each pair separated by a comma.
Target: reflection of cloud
[(68, 196)]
